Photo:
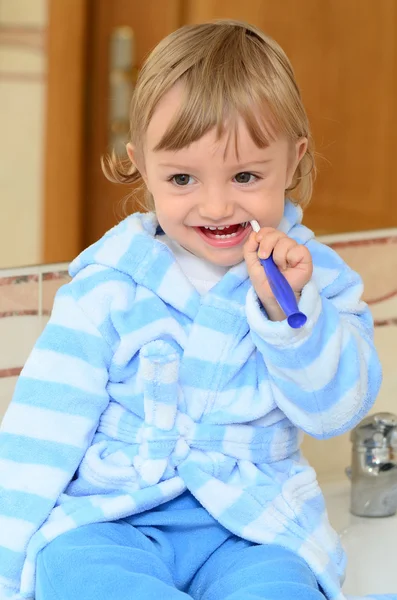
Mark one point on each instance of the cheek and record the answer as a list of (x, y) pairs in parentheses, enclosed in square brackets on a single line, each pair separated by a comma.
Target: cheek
[(270, 205), (152, 184), (167, 211), (159, 190), (275, 214), (276, 181)]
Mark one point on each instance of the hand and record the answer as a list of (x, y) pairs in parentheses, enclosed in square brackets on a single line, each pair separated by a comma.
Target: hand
[(294, 261)]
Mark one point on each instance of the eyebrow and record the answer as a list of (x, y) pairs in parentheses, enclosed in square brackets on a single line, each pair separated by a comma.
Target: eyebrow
[(234, 167), (252, 163)]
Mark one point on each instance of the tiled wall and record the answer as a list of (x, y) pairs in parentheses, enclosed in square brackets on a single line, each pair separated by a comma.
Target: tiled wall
[(22, 104), (26, 297)]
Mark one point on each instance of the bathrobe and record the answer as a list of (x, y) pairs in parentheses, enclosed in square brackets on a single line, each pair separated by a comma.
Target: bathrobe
[(140, 389)]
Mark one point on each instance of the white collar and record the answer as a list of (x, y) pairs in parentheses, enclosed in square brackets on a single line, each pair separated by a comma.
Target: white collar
[(202, 274)]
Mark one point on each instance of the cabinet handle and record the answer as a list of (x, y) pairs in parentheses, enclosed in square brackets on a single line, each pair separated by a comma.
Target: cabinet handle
[(122, 77)]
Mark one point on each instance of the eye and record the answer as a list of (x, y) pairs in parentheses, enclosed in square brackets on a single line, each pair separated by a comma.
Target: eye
[(245, 177), (181, 179)]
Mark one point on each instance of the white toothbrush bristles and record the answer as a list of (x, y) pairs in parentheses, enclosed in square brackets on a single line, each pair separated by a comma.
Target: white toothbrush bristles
[(255, 226)]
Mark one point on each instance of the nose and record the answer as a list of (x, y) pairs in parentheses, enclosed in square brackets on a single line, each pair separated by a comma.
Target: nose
[(215, 205)]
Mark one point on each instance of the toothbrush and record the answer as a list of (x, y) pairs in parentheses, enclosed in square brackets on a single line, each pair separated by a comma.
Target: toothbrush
[(281, 289)]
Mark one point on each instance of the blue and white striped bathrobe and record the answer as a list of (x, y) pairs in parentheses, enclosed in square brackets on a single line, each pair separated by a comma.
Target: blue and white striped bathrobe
[(139, 389)]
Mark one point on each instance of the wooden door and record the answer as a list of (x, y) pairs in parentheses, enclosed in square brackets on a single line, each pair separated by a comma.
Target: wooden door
[(79, 203), (150, 20), (345, 55), (64, 172)]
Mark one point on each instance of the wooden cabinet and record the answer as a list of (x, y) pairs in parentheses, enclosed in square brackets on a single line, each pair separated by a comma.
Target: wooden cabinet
[(345, 59)]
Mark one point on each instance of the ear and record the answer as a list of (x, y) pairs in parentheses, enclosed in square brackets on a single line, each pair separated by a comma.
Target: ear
[(136, 160), (131, 153), (298, 151)]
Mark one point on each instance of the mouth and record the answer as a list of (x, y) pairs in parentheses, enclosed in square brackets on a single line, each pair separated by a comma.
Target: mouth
[(225, 236)]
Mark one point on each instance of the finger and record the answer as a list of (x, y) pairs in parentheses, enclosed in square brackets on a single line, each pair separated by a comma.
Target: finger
[(298, 255), (251, 249), (269, 242), (281, 251), (251, 245), (263, 232)]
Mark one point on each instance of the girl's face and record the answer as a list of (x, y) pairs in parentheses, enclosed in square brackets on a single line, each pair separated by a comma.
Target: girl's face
[(205, 194)]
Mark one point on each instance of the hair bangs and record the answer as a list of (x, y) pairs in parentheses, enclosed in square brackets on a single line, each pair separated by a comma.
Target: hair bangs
[(205, 107)]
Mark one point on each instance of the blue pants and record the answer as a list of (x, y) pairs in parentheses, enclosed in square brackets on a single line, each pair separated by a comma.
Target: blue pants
[(175, 552)]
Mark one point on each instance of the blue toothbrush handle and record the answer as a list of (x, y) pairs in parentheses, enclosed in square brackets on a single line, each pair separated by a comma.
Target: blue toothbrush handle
[(283, 293)]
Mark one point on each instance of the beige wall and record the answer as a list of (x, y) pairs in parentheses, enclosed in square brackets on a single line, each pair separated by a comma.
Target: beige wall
[(22, 108)]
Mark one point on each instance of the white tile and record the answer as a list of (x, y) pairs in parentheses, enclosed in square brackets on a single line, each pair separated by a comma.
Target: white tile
[(26, 12), (354, 236), (17, 338), (330, 457), (385, 310), (7, 385), (386, 344), (44, 321), (54, 267), (33, 269)]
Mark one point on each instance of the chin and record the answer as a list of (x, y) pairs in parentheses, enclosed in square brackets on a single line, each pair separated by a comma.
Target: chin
[(226, 260)]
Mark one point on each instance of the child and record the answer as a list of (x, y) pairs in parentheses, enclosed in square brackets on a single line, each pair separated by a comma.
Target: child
[(152, 449)]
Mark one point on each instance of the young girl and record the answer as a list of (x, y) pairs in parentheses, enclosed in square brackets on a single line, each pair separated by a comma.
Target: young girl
[(152, 449)]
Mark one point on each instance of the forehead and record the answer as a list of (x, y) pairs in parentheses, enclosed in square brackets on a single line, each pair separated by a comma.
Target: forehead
[(235, 140), (164, 114)]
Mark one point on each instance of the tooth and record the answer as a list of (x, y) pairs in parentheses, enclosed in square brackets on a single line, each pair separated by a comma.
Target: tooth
[(220, 228), (212, 228), (225, 236)]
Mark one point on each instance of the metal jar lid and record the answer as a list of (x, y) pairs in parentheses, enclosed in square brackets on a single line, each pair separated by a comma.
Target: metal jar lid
[(376, 431)]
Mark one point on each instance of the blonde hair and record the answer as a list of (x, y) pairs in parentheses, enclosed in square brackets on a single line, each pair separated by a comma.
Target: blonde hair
[(228, 69)]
